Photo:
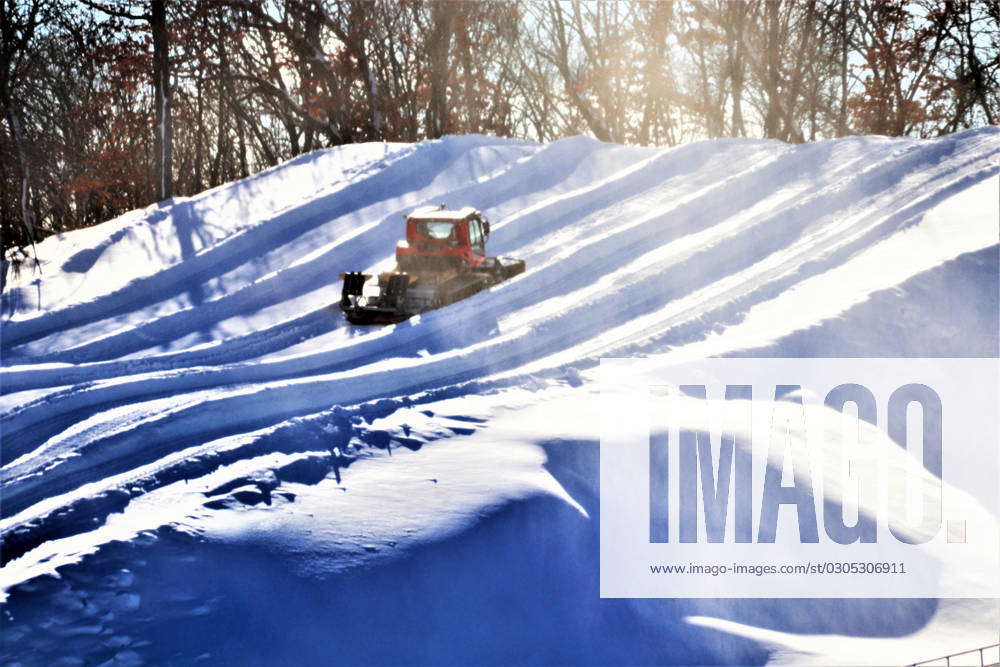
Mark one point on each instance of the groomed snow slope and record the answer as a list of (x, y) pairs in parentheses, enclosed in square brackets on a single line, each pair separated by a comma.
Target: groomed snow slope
[(176, 386)]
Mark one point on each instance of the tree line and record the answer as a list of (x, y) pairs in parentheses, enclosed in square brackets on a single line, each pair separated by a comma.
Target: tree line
[(110, 105)]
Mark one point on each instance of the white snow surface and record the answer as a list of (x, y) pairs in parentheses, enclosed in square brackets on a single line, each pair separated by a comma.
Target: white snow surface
[(187, 419)]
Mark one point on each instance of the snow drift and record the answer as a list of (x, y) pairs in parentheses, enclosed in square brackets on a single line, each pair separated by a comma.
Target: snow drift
[(201, 459)]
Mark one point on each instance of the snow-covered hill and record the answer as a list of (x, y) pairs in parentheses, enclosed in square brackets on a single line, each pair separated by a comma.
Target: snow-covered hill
[(219, 467)]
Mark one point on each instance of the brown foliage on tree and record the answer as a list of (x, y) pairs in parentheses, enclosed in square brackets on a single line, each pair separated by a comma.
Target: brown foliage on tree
[(109, 105)]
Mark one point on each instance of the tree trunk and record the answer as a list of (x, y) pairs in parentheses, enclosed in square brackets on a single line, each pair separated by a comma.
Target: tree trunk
[(842, 116), (199, 154), (443, 17), (735, 22), (163, 145), (772, 120), (25, 195), (10, 45)]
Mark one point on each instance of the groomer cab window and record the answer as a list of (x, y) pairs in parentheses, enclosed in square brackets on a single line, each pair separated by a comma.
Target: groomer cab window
[(476, 237), (435, 229)]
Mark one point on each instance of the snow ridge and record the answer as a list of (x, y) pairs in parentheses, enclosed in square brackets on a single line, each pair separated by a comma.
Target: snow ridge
[(197, 341)]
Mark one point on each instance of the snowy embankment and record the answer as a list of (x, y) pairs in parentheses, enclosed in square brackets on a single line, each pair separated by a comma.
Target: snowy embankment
[(204, 450)]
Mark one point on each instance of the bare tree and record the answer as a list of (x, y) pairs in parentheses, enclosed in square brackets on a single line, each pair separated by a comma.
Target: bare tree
[(96, 123), (17, 28)]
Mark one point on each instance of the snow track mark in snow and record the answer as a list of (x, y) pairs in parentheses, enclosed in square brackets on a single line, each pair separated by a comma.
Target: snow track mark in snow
[(227, 350)]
